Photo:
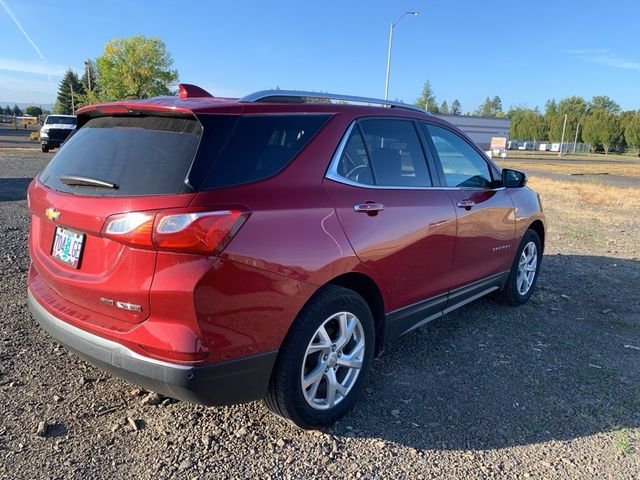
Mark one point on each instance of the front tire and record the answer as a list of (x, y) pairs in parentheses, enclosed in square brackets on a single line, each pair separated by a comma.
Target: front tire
[(324, 359), (524, 271), (45, 149)]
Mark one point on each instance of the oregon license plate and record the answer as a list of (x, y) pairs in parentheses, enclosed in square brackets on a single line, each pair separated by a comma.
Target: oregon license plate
[(67, 246)]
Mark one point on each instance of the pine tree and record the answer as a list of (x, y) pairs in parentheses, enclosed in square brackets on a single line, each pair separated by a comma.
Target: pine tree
[(456, 109), (444, 108), (69, 85), (427, 99)]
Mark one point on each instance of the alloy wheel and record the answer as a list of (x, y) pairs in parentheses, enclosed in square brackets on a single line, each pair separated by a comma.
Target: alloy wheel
[(333, 360)]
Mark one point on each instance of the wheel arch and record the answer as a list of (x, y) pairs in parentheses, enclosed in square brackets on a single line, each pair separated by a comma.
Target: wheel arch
[(538, 227), (368, 289)]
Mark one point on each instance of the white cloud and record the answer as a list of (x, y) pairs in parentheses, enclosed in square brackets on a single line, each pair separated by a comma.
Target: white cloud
[(38, 68), (604, 56), (9, 12)]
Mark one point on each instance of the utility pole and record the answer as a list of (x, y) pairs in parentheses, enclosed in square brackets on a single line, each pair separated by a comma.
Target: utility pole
[(575, 142), (88, 65), (73, 105), (564, 126)]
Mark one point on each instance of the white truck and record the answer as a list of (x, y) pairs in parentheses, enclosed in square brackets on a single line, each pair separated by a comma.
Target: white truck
[(55, 130)]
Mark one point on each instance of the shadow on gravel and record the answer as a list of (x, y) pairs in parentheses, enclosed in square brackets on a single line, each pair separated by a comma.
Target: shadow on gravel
[(12, 189), (565, 365)]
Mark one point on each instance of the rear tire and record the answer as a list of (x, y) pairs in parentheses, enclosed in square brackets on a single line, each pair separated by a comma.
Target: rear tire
[(524, 271), (324, 360)]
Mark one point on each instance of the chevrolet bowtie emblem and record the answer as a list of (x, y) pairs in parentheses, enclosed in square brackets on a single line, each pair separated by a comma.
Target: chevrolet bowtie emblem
[(52, 214)]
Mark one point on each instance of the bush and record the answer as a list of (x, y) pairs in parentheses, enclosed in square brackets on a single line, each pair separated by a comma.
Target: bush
[(34, 136)]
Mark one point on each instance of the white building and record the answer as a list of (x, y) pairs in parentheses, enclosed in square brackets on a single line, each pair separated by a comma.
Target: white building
[(480, 129)]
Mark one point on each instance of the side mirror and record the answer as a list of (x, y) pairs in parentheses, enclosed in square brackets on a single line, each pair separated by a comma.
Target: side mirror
[(513, 178)]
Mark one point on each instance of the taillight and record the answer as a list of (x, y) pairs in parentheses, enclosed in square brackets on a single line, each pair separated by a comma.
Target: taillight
[(133, 228), (197, 232), (205, 232)]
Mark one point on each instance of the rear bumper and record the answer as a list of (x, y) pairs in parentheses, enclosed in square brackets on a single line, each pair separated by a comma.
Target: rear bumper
[(223, 383)]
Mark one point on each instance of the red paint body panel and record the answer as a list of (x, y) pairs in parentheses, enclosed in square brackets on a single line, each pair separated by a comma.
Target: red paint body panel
[(485, 243), (410, 243)]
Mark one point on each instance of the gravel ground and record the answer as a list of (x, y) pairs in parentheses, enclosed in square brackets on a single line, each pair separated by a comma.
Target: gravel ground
[(548, 390)]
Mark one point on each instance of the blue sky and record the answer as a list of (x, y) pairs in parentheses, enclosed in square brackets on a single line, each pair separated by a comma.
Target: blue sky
[(525, 52)]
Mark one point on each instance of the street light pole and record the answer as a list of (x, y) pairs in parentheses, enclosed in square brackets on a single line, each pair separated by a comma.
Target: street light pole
[(391, 27)]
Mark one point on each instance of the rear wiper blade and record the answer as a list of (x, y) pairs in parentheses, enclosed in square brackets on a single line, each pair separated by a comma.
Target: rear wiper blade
[(85, 181)]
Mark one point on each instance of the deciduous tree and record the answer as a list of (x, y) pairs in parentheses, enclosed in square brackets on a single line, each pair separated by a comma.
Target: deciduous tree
[(602, 128), (604, 103), (135, 67), (632, 133), (33, 110)]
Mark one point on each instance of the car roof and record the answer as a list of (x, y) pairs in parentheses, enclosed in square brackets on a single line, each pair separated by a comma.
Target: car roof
[(195, 100)]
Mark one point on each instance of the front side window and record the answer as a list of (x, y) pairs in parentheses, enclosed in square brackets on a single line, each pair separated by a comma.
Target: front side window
[(463, 166), (384, 152)]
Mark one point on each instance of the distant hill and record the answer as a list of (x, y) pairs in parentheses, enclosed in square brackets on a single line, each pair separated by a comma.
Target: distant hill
[(45, 106)]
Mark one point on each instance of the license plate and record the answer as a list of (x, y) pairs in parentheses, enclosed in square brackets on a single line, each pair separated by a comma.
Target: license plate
[(67, 246)]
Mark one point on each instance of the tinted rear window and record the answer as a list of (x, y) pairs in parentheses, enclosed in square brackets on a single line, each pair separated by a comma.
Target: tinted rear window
[(141, 155), (261, 146)]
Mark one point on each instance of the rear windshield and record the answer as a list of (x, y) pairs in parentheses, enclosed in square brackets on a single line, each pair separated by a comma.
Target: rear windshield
[(260, 146), (60, 120), (140, 155)]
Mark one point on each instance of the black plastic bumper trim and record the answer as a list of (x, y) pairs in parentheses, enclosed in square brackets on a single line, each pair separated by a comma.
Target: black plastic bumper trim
[(224, 383)]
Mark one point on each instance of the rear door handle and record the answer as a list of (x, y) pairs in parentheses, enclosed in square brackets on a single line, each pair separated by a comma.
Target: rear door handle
[(368, 207), (465, 203)]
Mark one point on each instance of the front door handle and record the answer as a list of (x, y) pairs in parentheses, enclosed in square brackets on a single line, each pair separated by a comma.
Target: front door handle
[(465, 204), (368, 207)]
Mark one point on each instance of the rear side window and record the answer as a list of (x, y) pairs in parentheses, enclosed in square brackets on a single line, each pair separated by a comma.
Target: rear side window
[(260, 146), (354, 162), (463, 166), (140, 155)]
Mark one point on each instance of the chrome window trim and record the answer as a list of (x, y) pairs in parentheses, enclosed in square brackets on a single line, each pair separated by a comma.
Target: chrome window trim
[(332, 172)]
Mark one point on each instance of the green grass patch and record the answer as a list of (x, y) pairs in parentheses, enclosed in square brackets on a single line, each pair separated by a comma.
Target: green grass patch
[(622, 441)]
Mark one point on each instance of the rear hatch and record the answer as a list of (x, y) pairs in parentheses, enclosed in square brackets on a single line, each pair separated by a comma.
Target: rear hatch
[(111, 165)]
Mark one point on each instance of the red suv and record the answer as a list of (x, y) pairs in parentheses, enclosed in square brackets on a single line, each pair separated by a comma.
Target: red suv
[(221, 250)]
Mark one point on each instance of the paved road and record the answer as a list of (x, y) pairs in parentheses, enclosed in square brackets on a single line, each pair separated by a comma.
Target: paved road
[(10, 138), (547, 160), (613, 180)]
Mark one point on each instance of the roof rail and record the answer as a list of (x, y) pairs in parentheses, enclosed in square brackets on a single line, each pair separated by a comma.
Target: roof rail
[(299, 96)]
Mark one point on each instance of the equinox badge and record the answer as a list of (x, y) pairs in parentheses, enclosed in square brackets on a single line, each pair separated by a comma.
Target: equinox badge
[(52, 214)]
